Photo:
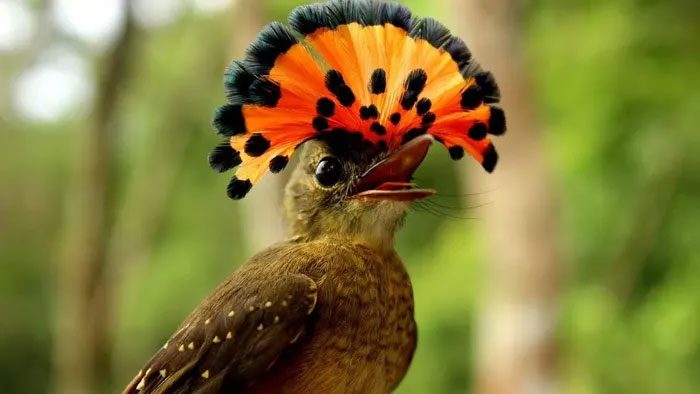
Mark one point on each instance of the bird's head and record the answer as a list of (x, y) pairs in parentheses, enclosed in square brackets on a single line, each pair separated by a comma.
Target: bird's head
[(364, 86), (361, 193)]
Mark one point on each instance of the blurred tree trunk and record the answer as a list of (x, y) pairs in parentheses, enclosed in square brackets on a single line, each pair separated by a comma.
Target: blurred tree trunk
[(144, 207), (142, 210), (81, 343), (261, 210), (516, 345)]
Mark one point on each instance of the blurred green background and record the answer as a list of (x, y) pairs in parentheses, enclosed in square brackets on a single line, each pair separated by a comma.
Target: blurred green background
[(112, 226)]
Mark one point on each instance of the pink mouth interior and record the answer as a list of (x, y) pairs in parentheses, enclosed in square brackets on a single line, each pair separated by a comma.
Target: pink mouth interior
[(394, 186)]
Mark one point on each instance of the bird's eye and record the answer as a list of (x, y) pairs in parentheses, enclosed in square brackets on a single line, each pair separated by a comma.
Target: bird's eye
[(328, 171)]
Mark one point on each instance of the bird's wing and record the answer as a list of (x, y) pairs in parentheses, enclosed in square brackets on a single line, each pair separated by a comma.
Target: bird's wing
[(233, 337)]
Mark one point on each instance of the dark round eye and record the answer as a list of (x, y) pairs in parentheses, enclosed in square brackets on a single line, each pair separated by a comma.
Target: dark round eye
[(328, 171)]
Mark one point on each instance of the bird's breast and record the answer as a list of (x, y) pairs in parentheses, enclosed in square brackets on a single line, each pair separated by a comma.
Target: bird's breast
[(364, 334)]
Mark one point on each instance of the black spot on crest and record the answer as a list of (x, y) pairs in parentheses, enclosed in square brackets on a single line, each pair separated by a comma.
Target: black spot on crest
[(378, 128), (413, 133), (478, 131), (490, 158), (278, 163), (472, 97), (238, 188), (325, 107), (456, 152), (352, 142), (423, 106), (346, 96), (414, 85), (224, 158), (429, 119), (416, 80), (377, 83), (408, 100), (334, 80), (364, 113), (395, 118), (336, 85), (256, 145), (320, 123), (229, 120), (374, 112), (497, 121), (369, 112)]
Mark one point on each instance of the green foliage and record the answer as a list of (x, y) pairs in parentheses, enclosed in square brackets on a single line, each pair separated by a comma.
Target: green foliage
[(615, 87)]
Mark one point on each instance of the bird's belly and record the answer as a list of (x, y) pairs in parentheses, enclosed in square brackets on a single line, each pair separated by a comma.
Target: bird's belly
[(341, 363), (327, 372)]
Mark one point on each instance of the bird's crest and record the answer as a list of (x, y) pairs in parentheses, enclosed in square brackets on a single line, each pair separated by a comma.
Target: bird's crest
[(367, 67)]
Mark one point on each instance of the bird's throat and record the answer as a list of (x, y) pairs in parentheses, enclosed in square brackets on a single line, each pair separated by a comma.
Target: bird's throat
[(375, 230)]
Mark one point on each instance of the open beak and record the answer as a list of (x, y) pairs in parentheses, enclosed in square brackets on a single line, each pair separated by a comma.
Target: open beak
[(390, 179)]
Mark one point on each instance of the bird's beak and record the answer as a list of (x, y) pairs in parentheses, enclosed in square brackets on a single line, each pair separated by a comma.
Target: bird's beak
[(390, 179)]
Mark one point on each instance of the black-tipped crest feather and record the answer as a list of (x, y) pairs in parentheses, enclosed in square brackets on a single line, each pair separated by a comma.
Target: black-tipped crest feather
[(431, 30), (274, 40), (238, 188), (229, 120), (224, 158)]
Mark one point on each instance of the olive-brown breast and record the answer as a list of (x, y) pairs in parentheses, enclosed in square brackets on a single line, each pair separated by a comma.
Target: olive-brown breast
[(363, 334)]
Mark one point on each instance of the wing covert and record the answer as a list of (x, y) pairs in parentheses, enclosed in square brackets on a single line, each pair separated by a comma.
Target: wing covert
[(232, 338)]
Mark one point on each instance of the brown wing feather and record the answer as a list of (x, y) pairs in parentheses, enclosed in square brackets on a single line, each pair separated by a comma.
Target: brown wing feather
[(232, 338)]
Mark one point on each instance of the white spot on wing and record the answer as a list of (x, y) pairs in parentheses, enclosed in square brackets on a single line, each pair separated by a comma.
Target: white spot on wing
[(142, 383)]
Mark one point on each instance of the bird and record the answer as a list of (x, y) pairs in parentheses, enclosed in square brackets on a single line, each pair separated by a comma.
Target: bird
[(362, 89)]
